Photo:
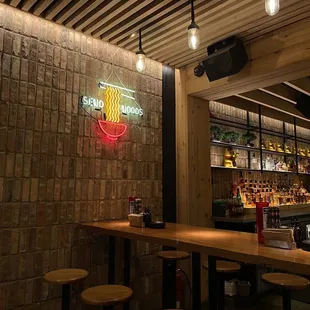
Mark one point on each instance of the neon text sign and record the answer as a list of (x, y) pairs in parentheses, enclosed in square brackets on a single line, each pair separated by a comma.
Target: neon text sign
[(111, 125)]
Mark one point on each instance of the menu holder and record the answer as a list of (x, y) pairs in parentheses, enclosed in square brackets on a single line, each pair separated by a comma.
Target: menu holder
[(279, 238)]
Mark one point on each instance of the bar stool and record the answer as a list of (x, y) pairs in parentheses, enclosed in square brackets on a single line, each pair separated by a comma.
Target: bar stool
[(170, 259), (226, 270), (287, 282), (106, 296), (65, 277)]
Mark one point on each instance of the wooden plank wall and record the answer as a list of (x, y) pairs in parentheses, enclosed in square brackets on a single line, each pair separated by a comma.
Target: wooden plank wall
[(182, 190), (200, 209)]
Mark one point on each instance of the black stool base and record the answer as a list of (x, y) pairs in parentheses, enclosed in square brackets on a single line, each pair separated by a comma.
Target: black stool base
[(65, 298), (286, 297)]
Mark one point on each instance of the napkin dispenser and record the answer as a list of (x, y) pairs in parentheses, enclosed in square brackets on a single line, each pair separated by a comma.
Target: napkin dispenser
[(136, 220), (279, 238)]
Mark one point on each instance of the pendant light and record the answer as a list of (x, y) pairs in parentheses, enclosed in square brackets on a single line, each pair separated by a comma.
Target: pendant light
[(193, 31), (272, 7), (140, 64)]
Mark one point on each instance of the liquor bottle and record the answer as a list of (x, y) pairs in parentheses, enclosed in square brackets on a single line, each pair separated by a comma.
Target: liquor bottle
[(254, 163), (297, 234)]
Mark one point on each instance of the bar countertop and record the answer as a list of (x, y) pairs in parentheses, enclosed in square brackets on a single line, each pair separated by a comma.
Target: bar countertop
[(251, 218), (232, 245)]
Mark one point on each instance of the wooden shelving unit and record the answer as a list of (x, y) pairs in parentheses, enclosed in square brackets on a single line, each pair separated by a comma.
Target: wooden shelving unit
[(261, 131)]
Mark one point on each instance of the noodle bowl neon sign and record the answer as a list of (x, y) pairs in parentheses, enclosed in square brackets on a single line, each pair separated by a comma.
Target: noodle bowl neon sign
[(112, 97)]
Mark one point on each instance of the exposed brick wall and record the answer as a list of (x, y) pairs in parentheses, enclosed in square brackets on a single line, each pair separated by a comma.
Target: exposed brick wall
[(57, 169)]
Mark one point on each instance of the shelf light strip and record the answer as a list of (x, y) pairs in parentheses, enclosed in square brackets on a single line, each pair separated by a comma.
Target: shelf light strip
[(103, 84)]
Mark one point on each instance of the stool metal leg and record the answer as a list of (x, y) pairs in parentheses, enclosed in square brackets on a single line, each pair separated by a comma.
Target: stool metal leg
[(65, 298), (111, 271), (108, 308), (221, 294), (212, 283), (196, 281), (169, 284), (286, 300), (127, 258)]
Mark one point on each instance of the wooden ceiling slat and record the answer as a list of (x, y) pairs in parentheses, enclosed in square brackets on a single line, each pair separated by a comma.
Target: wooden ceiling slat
[(69, 10), (218, 25), (174, 18), (121, 34), (104, 9), (134, 19), (175, 42), (103, 17), (283, 92), (55, 8), (131, 10), (190, 57), (81, 12), (286, 16), (15, 3), (41, 6), (164, 23), (302, 85), (28, 4), (178, 21)]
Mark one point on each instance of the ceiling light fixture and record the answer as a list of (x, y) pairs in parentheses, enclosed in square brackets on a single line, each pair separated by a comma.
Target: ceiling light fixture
[(272, 7), (140, 64), (193, 31)]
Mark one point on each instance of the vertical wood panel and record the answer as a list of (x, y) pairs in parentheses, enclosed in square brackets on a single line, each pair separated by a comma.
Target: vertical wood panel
[(200, 189), (181, 148)]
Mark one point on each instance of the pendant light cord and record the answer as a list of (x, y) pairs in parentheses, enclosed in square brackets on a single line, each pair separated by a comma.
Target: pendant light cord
[(140, 40), (192, 11)]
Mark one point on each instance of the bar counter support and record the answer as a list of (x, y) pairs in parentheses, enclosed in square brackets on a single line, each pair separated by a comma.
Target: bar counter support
[(196, 281), (127, 259), (111, 272), (212, 283)]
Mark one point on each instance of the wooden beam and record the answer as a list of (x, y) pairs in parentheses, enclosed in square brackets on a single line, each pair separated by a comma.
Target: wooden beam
[(284, 63), (55, 8), (200, 188), (28, 4), (135, 18), (104, 17), (244, 26), (100, 12), (81, 12), (69, 10), (41, 6), (15, 3), (131, 10), (270, 101), (283, 92), (302, 85), (176, 42), (182, 181), (178, 19), (123, 33)]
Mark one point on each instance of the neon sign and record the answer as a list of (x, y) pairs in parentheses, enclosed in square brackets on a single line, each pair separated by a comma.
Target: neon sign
[(111, 125)]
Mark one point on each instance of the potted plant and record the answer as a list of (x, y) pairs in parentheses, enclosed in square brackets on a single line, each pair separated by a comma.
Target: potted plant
[(231, 137), (248, 138), (216, 133)]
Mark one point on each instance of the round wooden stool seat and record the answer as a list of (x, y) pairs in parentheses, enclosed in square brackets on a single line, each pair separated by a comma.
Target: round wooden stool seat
[(65, 276), (173, 255), (286, 281), (106, 295), (223, 266)]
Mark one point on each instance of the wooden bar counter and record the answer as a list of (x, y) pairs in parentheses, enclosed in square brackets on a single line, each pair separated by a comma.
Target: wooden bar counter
[(238, 246), (232, 245)]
